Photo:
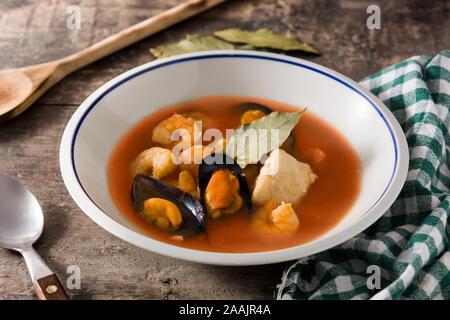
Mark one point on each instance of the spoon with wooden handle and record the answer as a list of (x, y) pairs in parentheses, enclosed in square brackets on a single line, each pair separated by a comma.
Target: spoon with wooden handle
[(19, 88), (21, 224)]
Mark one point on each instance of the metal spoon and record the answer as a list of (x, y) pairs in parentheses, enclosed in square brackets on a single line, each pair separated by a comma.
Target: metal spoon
[(21, 224)]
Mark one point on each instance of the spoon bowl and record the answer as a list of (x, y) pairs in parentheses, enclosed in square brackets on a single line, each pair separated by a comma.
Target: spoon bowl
[(21, 217), (16, 88), (21, 224), (20, 88)]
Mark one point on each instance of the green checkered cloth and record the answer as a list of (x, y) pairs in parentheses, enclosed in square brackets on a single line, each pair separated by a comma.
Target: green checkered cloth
[(409, 244)]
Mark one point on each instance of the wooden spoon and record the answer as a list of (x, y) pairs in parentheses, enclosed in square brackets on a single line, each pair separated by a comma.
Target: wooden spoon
[(23, 86)]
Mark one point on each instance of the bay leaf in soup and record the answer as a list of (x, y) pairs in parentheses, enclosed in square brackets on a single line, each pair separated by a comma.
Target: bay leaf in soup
[(264, 38), (253, 140), (192, 43)]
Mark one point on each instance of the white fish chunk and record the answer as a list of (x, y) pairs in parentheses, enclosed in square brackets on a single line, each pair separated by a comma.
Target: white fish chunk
[(282, 179)]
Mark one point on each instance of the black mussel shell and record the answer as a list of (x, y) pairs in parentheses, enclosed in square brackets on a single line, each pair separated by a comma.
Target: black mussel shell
[(219, 161), (246, 106), (192, 211)]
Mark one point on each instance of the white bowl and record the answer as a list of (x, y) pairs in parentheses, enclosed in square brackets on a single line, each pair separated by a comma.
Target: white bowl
[(113, 109)]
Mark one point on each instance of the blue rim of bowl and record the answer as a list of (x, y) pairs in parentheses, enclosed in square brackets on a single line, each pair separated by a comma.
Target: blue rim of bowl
[(237, 55)]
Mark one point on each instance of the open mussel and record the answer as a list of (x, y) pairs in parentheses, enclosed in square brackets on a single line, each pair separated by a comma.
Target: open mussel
[(251, 111), (223, 186), (170, 208), (251, 106)]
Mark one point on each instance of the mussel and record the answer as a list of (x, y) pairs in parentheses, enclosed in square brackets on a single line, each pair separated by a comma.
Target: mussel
[(193, 215), (249, 106), (246, 108), (223, 186)]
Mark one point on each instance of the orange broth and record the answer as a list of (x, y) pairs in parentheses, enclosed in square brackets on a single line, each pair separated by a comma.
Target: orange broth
[(328, 199)]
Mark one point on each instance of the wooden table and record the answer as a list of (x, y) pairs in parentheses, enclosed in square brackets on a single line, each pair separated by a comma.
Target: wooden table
[(35, 31)]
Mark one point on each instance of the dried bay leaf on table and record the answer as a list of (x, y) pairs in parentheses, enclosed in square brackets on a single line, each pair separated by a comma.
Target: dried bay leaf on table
[(264, 38), (249, 143), (192, 43)]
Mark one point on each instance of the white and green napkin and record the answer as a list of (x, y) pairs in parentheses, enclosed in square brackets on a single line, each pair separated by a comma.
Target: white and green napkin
[(410, 242)]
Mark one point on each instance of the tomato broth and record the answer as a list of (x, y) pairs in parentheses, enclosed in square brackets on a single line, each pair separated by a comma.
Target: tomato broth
[(328, 200)]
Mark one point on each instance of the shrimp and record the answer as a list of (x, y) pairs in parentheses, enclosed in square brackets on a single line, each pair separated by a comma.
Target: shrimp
[(273, 218), (192, 157), (191, 130), (157, 160)]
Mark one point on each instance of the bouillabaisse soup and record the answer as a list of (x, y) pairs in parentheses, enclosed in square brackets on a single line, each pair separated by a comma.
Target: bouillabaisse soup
[(307, 183)]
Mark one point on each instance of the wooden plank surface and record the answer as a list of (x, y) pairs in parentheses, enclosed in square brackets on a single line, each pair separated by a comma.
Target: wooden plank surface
[(36, 31)]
